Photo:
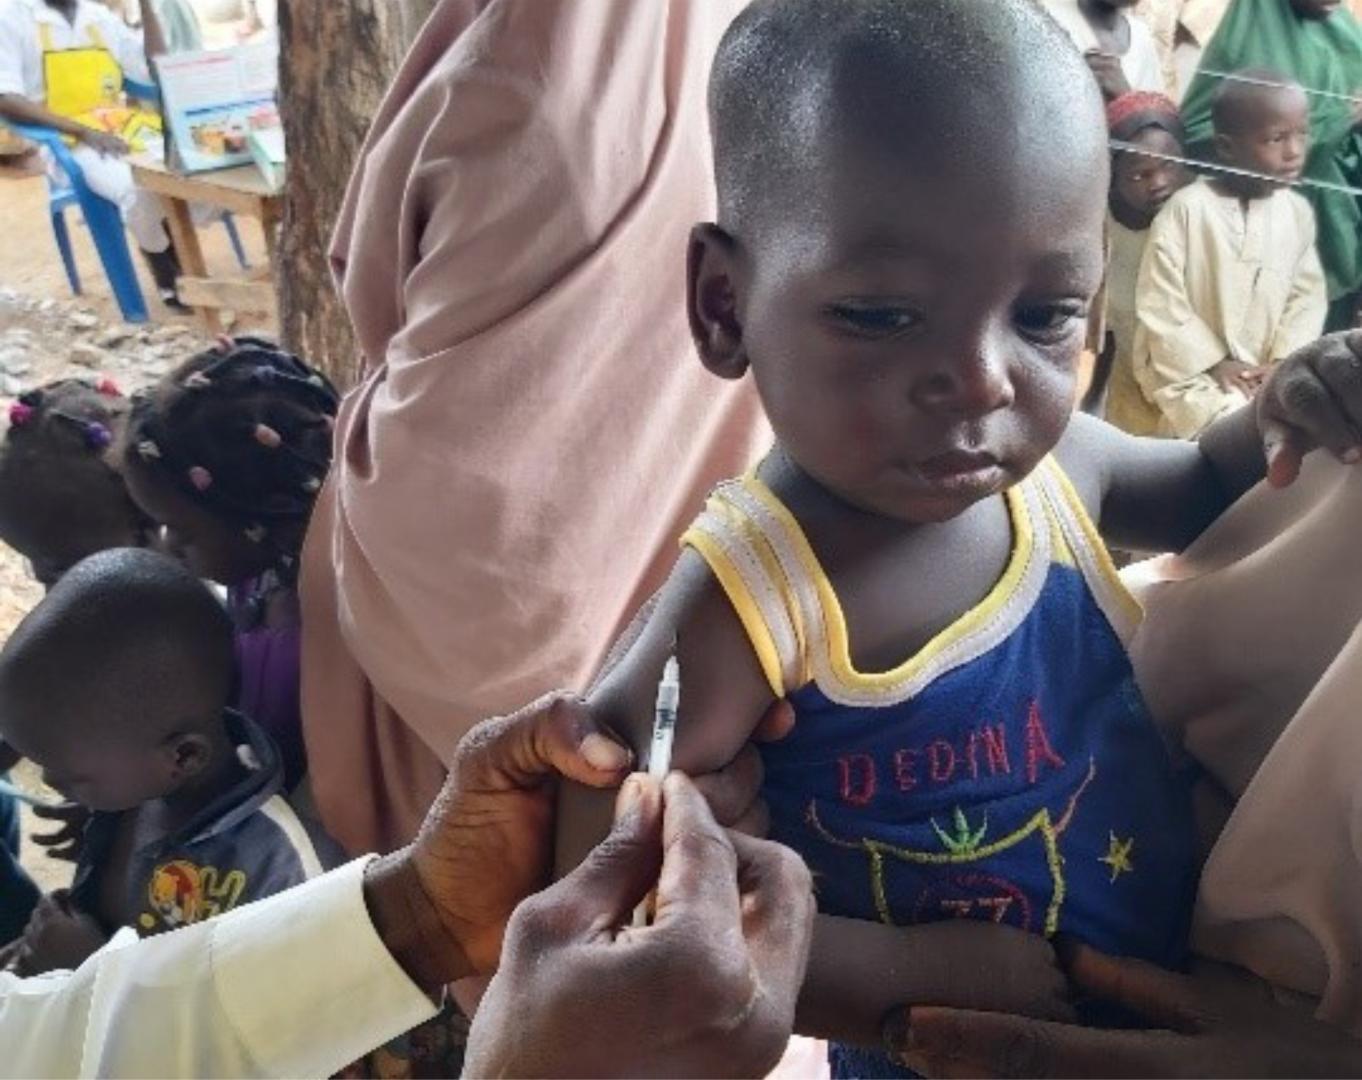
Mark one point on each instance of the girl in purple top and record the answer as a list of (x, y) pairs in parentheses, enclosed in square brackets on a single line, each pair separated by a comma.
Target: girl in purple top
[(228, 452)]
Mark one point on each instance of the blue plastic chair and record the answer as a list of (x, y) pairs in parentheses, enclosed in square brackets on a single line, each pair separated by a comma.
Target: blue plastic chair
[(101, 217), (61, 197)]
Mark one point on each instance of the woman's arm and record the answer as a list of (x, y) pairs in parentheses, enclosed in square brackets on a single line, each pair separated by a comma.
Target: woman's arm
[(1198, 1025)]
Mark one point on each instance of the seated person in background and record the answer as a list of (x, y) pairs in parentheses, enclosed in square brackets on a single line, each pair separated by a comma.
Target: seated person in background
[(1231, 281), (1117, 45), (117, 685), (61, 494), (228, 452), (1140, 185), (911, 201), (62, 64)]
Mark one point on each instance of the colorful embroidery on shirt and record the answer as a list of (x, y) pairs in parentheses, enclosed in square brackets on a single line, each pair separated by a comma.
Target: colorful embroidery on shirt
[(181, 892), (1118, 857), (966, 849)]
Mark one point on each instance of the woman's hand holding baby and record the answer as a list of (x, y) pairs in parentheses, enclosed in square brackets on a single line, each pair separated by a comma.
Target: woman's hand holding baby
[(1312, 400), (1204, 1024)]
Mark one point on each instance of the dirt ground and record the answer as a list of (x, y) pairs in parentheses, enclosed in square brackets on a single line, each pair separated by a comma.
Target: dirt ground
[(46, 334)]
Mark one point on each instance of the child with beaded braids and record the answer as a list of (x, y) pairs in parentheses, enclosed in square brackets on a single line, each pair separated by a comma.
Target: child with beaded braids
[(228, 452), (61, 495), (61, 499)]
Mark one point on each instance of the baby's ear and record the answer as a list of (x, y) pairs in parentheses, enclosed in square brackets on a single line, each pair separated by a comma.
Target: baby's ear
[(1224, 148), (712, 301), (188, 754)]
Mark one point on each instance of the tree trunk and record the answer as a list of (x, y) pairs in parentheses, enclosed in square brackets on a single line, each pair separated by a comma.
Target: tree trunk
[(336, 59)]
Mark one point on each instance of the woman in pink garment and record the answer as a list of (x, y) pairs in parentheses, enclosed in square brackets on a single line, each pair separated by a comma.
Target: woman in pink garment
[(532, 432)]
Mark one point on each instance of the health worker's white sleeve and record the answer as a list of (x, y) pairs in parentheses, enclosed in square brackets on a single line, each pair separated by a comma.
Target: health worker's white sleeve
[(298, 984)]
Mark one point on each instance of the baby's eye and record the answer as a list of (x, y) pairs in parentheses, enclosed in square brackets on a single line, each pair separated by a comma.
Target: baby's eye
[(1049, 322), (874, 321)]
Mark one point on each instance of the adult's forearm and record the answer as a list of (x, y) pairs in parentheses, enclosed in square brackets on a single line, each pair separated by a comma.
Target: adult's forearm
[(20, 110)]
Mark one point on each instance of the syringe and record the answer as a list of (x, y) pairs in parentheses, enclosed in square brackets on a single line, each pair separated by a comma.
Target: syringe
[(660, 750)]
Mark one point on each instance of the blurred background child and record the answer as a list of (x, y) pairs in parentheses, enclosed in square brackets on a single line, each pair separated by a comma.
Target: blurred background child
[(1318, 43), (1231, 281), (61, 494), (117, 685), (1117, 45), (1140, 186)]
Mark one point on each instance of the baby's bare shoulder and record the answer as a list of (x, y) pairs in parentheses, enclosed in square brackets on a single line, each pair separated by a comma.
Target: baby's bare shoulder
[(1084, 453), (724, 693)]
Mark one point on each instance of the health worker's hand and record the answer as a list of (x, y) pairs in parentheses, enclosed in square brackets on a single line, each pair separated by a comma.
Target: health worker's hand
[(442, 903), (707, 989)]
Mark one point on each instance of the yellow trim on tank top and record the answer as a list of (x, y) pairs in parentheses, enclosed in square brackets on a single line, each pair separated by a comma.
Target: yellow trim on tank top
[(1059, 545), (760, 544), (1096, 544), (834, 620)]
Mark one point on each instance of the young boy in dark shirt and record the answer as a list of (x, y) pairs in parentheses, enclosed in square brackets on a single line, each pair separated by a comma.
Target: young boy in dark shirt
[(117, 686)]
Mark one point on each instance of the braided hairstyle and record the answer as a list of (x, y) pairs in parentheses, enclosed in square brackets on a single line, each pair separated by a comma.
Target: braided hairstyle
[(244, 432), (62, 496)]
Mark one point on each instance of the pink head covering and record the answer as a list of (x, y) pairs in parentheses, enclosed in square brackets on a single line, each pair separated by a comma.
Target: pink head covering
[(534, 431)]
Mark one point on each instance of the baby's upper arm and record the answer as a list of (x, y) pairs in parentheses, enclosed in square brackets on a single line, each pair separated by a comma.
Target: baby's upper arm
[(1144, 494), (723, 695)]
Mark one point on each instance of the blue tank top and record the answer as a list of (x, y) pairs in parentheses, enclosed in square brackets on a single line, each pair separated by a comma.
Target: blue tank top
[(1009, 771)]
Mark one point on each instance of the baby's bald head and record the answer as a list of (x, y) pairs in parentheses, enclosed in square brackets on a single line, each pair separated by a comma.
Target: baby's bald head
[(799, 84)]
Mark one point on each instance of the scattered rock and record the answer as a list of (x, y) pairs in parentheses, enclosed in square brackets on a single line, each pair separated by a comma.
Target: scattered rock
[(89, 356), (47, 306), (82, 320), (169, 332), (113, 336), (14, 361)]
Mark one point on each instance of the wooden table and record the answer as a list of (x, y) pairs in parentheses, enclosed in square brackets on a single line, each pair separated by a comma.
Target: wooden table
[(244, 192)]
